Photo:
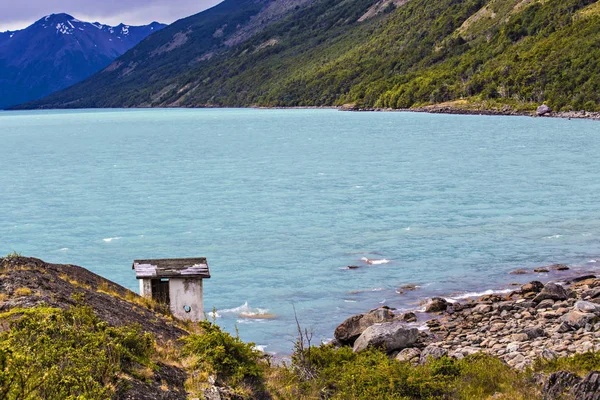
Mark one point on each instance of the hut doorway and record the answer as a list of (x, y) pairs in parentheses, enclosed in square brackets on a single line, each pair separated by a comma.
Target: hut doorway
[(160, 290)]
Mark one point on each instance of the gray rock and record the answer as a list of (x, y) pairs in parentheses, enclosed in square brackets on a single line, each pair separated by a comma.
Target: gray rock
[(410, 354), (512, 347), (524, 304), (390, 336), (519, 337), (558, 267), (588, 388), (545, 304), (349, 330), (534, 332), (558, 385), (543, 110), (592, 293), (433, 352), (548, 354), (437, 305), (504, 305), (577, 319), (551, 291), (587, 307), (482, 308)]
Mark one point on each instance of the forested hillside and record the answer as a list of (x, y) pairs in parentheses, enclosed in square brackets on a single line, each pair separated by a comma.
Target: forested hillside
[(386, 53)]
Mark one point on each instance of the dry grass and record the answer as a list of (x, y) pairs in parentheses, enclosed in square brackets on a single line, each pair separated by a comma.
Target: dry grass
[(22, 291), (73, 282)]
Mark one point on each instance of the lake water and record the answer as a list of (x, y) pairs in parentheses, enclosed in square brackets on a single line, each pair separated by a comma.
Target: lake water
[(280, 201)]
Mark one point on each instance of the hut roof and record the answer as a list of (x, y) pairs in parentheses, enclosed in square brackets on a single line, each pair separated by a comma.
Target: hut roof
[(171, 268)]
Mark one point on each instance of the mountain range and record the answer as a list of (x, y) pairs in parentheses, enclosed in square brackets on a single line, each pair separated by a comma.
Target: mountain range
[(58, 51), (510, 54)]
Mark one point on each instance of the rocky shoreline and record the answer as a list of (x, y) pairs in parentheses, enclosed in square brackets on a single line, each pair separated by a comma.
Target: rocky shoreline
[(505, 111), (536, 321)]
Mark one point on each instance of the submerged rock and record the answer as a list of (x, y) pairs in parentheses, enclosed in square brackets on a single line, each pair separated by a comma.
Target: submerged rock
[(519, 272), (407, 288), (390, 336)]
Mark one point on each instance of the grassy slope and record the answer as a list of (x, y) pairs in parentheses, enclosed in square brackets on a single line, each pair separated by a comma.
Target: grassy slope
[(519, 53)]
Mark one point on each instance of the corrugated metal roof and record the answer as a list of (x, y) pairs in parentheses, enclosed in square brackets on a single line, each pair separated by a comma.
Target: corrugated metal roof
[(171, 268)]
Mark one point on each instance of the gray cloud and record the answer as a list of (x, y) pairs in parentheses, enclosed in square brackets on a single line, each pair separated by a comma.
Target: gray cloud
[(17, 14)]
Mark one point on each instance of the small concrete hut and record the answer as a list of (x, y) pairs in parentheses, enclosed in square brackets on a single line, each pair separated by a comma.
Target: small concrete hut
[(176, 282)]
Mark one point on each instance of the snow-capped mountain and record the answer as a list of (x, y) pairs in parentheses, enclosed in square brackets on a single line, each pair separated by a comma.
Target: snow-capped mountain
[(58, 51)]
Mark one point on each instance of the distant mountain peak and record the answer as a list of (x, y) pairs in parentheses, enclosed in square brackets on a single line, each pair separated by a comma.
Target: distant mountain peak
[(59, 50)]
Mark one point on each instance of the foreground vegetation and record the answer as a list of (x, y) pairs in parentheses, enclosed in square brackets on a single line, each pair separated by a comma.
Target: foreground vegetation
[(50, 353), (510, 53)]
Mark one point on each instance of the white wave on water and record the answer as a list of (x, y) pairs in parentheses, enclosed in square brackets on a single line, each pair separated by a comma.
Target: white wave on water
[(467, 295), (377, 289), (214, 314), (407, 228), (592, 261), (64, 249), (108, 240), (261, 347), (375, 261), (553, 237), (247, 312), (349, 301)]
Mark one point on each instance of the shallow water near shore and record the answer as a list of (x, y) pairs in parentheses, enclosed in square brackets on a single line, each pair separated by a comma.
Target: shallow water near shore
[(281, 201)]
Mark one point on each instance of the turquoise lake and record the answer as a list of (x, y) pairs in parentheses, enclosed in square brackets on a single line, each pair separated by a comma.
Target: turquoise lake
[(281, 201)]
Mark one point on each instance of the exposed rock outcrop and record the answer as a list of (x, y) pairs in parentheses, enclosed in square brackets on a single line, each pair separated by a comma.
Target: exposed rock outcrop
[(390, 336), (349, 330)]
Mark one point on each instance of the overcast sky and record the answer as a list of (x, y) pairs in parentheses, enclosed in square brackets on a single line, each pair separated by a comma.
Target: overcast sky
[(18, 14)]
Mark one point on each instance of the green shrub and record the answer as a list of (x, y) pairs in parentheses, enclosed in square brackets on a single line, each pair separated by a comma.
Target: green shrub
[(57, 354), (343, 374), (579, 364), (231, 360)]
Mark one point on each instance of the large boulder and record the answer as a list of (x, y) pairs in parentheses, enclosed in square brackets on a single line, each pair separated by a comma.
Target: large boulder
[(543, 110), (390, 336), (349, 330), (552, 291), (437, 304), (575, 319)]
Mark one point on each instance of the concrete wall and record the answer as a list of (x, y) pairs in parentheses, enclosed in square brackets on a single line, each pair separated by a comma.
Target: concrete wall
[(186, 292), (146, 288)]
